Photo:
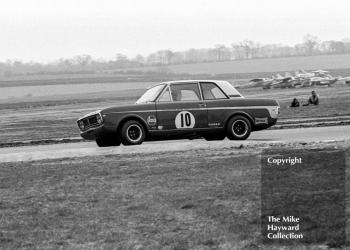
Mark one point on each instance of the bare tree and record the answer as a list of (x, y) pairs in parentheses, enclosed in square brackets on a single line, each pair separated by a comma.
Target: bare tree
[(222, 53), (238, 51), (83, 61), (247, 48), (310, 42), (165, 56), (300, 50), (336, 47), (178, 57), (140, 59)]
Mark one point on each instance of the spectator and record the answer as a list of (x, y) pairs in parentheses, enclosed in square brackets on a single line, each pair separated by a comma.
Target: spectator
[(313, 99), (295, 103)]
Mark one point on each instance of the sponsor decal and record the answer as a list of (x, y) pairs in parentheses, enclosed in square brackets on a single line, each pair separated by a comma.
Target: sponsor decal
[(151, 120), (261, 120), (214, 124), (185, 119)]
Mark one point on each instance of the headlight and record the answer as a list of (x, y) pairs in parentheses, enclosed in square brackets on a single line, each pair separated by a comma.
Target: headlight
[(81, 125), (274, 111), (99, 119), (91, 120)]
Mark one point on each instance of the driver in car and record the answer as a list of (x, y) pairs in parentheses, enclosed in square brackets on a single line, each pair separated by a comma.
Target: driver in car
[(176, 95)]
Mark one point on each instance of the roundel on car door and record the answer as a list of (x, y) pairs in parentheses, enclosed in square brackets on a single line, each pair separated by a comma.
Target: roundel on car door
[(185, 119)]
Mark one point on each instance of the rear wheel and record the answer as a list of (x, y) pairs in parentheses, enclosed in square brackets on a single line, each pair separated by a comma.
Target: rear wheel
[(108, 141), (132, 133), (238, 128)]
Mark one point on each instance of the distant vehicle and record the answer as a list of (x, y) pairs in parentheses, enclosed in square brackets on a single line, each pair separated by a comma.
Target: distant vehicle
[(304, 74), (179, 110), (346, 80), (320, 72), (284, 82), (315, 78), (322, 78), (303, 78), (265, 83)]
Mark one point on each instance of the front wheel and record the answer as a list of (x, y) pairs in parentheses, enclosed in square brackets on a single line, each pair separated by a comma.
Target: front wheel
[(132, 133), (238, 128)]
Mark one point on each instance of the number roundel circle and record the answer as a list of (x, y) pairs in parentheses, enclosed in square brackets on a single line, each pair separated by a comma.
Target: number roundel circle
[(184, 119)]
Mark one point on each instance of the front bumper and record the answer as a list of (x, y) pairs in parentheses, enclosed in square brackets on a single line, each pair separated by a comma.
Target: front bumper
[(93, 133)]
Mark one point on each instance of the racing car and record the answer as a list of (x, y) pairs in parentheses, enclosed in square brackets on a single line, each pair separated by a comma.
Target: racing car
[(187, 109)]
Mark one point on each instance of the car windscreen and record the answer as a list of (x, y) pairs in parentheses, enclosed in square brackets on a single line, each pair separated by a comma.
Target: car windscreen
[(151, 94)]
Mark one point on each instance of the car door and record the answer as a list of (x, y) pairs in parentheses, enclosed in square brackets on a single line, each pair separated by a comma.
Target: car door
[(217, 104), (180, 108)]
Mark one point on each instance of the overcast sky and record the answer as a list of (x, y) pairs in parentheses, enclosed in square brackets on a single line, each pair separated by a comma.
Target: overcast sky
[(44, 30)]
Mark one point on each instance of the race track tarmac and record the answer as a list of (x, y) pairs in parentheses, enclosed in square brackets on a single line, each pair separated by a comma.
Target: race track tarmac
[(56, 151)]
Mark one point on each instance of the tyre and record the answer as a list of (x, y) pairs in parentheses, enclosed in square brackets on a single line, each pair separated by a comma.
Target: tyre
[(132, 133), (238, 128), (214, 137), (108, 141)]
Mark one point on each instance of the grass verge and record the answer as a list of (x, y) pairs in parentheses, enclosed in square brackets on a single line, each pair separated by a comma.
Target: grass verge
[(198, 199)]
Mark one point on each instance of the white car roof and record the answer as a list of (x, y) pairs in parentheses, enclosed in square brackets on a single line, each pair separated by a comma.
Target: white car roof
[(189, 81), (224, 85)]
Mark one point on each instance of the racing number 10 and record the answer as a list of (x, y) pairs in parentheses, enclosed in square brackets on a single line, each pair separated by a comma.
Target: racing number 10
[(185, 119)]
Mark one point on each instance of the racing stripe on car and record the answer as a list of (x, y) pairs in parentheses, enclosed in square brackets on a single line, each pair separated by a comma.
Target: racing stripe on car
[(234, 108)]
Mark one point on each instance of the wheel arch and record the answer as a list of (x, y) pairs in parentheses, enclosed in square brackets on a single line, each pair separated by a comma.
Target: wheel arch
[(240, 113), (132, 117)]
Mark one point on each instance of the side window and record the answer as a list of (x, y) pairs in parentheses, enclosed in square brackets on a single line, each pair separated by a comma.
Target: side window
[(185, 92), (165, 96), (212, 92)]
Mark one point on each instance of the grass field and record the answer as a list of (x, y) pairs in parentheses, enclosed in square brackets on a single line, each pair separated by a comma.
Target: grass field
[(229, 70), (63, 79), (331, 62), (210, 199)]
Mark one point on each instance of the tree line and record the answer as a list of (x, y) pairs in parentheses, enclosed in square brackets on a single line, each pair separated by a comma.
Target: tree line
[(243, 50)]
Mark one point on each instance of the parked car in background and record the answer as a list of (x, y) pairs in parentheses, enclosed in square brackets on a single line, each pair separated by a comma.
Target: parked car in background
[(322, 78), (264, 83)]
